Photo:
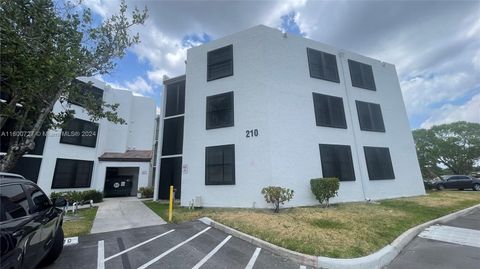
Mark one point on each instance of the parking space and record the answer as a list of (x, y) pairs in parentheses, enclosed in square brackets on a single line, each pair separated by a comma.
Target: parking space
[(187, 245)]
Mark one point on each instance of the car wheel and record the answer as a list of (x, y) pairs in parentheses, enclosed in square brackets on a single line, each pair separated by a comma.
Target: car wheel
[(476, 187), (440, 187), (56, 249)]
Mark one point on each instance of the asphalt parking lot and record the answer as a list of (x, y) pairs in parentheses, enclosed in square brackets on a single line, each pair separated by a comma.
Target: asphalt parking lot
[(186, 245), (453, 244)]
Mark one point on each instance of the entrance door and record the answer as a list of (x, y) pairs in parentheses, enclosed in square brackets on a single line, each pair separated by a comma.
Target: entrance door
[(170, 174)]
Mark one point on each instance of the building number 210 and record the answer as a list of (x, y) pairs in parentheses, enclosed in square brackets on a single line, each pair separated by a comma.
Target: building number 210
[(251, 133)]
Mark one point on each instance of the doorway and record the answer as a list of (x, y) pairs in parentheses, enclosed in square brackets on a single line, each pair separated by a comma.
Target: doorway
[(121, 181), (170, 174)]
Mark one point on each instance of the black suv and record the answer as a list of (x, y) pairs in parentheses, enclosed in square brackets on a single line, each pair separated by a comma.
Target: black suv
[(30, 224)]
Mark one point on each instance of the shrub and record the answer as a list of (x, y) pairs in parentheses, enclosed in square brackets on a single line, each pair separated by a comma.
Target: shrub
[(79, 196), (146, 192), (94, 195), (276, 196), (324, 189)]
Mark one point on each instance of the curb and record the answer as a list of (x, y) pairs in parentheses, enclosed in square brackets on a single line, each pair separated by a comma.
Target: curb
[(373, 261)]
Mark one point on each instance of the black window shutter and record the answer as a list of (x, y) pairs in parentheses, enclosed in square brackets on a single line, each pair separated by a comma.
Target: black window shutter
[(322, 65), (337, 162), (220, 111), (379, 163), (220, 63), (361, 75), (329, 111)]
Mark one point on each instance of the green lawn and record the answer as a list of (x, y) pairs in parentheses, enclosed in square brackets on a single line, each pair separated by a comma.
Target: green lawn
[(341, 231), (81, 223)]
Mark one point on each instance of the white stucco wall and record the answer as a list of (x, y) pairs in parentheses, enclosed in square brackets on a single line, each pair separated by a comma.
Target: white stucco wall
[(273, 93), (137, 133)]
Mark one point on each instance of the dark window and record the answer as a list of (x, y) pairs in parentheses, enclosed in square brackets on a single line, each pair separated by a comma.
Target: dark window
[(72, 174), (370, 117), (220, 110), (337, 162), (329, 111), (84, 93), (13, 202), (170, 175), (322, 65), (220, 165), (379, 163), (220, 63), (40, 200), (175, 103), (28, 167), (172, 136), (80, 132), (361, 75), (7, 134)]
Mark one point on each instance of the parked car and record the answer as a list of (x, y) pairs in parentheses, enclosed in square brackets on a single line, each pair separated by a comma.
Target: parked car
[(458, 182), (30, 224)]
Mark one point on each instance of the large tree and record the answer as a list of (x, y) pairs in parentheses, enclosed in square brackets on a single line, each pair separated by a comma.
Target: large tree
[(455, 146), (45, 45)]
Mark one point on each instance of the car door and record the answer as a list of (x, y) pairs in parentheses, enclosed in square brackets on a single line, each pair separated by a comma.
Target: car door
[(452, 182), (20, 234), (465, 182), (45, 213)]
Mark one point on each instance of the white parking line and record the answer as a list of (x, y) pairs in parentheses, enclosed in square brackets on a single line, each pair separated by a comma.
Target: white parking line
[(211, 253), (100, 255), (138, 245), (253, 259), (455, 235), (172, 249)]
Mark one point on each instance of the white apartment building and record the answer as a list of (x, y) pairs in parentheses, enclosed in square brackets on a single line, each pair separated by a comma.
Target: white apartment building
[(261, 108), (104, 156)]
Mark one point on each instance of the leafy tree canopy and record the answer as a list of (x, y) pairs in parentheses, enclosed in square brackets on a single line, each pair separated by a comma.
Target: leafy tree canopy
[(454, 145), (46, 45)]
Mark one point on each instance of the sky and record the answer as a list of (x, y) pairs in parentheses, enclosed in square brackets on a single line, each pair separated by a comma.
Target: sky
[(435, 45)]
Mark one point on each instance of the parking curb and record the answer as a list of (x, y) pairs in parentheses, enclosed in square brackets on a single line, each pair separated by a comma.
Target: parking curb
[(373, 261)]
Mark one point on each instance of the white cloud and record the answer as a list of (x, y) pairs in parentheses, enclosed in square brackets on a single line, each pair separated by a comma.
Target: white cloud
[(139, 85), (469, 111), (156, 76), (421, 92)]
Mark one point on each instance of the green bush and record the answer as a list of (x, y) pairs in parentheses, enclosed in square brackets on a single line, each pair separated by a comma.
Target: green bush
[(79, 196), (146, 192), (324, 189), (94, 195), (276, 196)]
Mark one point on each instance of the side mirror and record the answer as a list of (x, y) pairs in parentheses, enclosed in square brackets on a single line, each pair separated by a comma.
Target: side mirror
[(60, 202)]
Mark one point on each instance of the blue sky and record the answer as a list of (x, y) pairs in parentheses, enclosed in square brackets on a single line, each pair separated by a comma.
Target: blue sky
[(434, 45)]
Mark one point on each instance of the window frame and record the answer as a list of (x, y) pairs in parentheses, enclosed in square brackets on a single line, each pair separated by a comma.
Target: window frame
[(79, 139), (363, 75), (75, 172), (336, 158), (231, 99), (318, 113), (223, 147), (388, 157), (376, 126), (211, 77), (323, 55)]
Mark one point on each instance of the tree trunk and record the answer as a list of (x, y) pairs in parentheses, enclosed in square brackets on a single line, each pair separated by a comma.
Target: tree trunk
[(17, 150)]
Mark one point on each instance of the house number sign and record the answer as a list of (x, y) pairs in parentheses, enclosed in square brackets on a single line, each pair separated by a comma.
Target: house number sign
[(251, 133)]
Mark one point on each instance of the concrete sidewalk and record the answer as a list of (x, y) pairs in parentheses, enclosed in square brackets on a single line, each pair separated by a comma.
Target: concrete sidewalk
[(123, 213)]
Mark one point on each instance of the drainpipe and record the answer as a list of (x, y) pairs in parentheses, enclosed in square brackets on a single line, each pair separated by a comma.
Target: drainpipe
[(341, 54)]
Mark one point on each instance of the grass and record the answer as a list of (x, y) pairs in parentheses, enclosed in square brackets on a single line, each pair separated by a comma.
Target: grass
[(342, 231), (81, 223)]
